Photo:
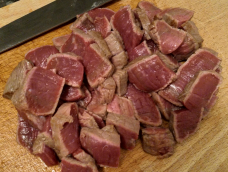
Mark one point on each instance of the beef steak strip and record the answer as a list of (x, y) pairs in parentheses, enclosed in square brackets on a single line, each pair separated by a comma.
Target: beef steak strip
[(102, 26), (120, 60), (84, 22), (101, 12), (60, 40)]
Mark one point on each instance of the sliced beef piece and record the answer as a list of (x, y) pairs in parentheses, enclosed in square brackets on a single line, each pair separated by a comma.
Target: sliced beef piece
[(65, 129), (122, 106), (47, 155), (16, 78), (86, 120), (149, 73), (201, 60), (164, 106), (26, 134), (147, 111), (199, 91), (127, 127), (114, 44), (39, 93), (140, 50), (210, 104), (60, 40), (101, 12), (177, 16), (38, 56), (168, 60), (84, 22), (35, 121), (158, 141), (150, 9), (140, 14), (103, 26), (103, 144), (70, 165), (101, 43), (98, 119), (185, 123), (82, 156), (152, 46), (120, 60), (123, 21), (166, 37), (85, 101), (70, 93), (121, 79), (68, 66)]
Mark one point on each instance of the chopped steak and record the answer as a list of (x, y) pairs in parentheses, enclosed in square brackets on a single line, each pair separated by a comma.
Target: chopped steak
[(166, 37), (85, 101), (68, 66), (177, 16), (33, 97), (102, 26), (120, 60), (122, 106), (100, 42), (123, 21), (164, 106), (86, 120), (101, 12), (98, 119), (65, 129), (127, 127), (158, 141), (84, 22), (201, 60), (103, 144), (121, 79), (16, 78), (149, 73), (70, 93), (38, 56), (114, 44), (200, 90), (70, 165), (210, 104), (26, 134), (60, 40), (140, 50), (150, 8), (184, 123), (148, 112)]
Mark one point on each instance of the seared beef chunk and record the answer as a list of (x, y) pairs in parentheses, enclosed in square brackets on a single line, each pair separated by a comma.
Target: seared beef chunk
[(38, 56), (101, 12), (148, 112), (102, 26), (16, 78), (199, 91), (82, 156), (68, 66), (59, 41), (201, 60), (71, 165), (127, 127), (26, 134), (184, 123), (158, 141), (72, 93), (120, 60), (47, 154), (86, 120), (123, 21), (84, 22), (65, 129), (210, 104), (164, 106), (177, 16), (150, 9), (114, 44), (101, 43), (103, 144), (122, 106), (33, 97), (149, 73), (166, 37), (85, 101), (121, 78), (141, 50)]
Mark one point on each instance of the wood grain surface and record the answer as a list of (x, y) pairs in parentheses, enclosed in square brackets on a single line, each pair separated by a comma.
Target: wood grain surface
[(206, 151)]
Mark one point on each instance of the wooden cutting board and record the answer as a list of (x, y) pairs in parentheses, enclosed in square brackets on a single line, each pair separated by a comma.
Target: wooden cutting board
[(205, 151)]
